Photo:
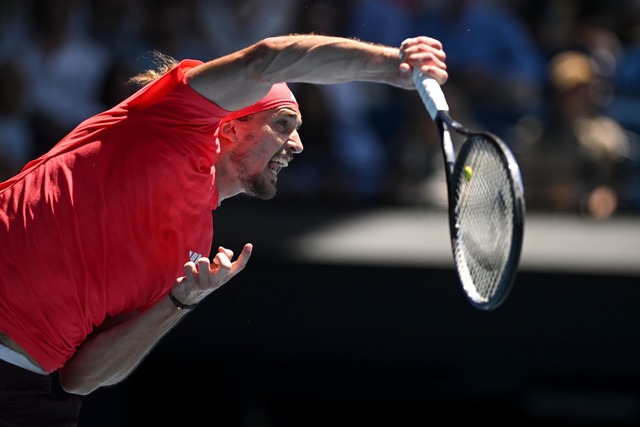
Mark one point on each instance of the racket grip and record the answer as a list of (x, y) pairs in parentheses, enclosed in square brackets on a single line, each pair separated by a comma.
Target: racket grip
[(430, 92)]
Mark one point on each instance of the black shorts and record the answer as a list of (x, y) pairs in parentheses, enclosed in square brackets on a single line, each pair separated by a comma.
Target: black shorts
[(29, 399)]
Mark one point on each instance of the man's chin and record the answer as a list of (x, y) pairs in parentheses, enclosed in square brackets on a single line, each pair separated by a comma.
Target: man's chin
[(264, 196), (262, 190)]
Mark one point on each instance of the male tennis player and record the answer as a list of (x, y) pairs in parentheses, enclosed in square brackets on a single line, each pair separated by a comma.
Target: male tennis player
[(105, 238)]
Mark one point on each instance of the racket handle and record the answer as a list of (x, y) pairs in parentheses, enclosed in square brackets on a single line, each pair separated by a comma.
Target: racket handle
[(430, 92)]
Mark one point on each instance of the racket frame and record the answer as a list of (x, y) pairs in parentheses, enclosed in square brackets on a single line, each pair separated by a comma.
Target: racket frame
[(436, 104)]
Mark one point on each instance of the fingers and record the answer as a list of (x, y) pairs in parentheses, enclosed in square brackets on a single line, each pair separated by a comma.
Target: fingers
[(422, 44), (190, 271), (223, 259), (421, 40), (242, 260), (203, 277), (438, 73), (426, 53), (227, 252), (222, 269)]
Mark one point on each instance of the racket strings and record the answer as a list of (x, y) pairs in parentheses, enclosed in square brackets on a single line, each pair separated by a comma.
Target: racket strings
[(484, 206)]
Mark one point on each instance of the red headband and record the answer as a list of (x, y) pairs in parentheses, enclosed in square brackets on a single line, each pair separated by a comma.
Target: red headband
[(279, 95)]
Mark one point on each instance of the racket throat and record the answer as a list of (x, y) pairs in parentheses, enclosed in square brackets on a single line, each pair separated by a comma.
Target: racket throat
[(448, 151)]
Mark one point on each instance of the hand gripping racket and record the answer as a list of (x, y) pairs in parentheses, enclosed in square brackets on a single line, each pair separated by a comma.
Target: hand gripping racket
[(485, 203)]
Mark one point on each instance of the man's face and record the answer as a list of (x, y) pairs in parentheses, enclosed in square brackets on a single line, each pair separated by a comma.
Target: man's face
[(265, 143)]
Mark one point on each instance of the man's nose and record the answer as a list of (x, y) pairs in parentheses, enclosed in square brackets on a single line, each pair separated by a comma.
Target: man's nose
[(295, 143)]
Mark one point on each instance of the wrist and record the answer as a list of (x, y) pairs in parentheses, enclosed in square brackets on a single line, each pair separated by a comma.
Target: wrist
[(179, 304)]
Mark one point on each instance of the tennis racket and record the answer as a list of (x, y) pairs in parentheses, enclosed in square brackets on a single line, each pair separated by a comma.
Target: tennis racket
[(485, 203)]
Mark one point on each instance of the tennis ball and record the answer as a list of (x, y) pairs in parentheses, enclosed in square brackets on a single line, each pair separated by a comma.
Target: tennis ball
[(467, 173)]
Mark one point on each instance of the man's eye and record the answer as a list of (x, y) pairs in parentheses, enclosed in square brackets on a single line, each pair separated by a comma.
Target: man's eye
[(284, 124)]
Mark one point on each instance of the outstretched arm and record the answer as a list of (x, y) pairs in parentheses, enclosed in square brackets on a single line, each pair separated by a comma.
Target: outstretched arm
[(242, 78), (113, 352)]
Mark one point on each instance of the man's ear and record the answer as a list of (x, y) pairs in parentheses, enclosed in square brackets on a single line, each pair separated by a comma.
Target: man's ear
[(227, 130)]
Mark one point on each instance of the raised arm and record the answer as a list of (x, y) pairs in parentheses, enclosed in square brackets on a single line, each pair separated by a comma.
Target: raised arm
[(242, 78)]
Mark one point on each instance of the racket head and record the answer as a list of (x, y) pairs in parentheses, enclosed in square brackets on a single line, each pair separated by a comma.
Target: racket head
[(486, 219)]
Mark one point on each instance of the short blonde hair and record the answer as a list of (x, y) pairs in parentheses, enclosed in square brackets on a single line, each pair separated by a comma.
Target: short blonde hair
[(164, 63)]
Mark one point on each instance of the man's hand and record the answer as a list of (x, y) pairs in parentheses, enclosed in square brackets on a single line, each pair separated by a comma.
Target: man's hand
[(113, 352), (204, 277), (425, 53)]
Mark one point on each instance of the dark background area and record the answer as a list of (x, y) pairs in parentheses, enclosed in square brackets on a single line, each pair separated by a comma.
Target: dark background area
[(301, 343)]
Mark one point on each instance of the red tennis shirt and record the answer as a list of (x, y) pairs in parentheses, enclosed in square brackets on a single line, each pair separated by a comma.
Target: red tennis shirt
[(103, 223)]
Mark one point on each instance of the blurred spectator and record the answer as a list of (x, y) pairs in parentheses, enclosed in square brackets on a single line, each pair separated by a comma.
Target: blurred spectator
[(16, 140), (64, 70), (491, 57), (626, 101), (364, 143), (375, 116), (115, 24), (13, 18), (629, 69), (355, 166), (495, 77), (173, 28), (574, 160), (230, 25)]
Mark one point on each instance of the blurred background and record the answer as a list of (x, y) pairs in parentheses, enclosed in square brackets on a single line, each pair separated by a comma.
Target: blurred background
[(350, 311)]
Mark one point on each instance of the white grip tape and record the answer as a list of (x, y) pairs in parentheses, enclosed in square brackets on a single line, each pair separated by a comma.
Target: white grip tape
[(431, 93)]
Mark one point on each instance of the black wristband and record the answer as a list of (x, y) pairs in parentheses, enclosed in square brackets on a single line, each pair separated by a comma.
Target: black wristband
[(180, 305)]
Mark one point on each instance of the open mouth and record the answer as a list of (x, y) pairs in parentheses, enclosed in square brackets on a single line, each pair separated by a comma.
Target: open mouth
[(277, 164)]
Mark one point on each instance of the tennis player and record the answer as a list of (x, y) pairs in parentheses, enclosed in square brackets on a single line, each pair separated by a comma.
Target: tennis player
[(105, 239)]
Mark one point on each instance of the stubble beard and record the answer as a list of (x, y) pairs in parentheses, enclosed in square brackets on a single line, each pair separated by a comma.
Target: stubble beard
[(256, 186), (253, 184)]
